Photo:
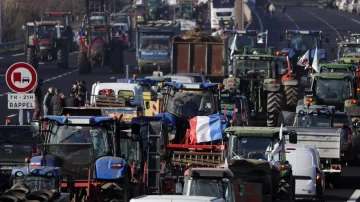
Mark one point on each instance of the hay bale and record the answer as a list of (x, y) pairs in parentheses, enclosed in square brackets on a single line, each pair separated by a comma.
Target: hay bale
[(195, 34)]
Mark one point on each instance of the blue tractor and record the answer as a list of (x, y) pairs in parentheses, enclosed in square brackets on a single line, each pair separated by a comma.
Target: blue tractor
[(301, 41), (87, 149)]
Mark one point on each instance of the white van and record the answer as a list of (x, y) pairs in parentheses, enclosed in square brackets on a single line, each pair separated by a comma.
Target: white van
[(199, 78), (307, 170), (176, 198)]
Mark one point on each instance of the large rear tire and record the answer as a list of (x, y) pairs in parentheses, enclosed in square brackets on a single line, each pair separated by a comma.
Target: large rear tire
[(83, 62), (31, 57), (286, 189), (62, 58), (275, 105), (291, 95)]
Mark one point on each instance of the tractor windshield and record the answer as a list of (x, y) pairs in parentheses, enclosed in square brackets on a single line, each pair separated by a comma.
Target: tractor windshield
[(206, 187), (35, 182), (304, 42), (98, 33), (155, 43), (312, 121), (190, 103), (349, 51), (257, 68), (97, 135), (333, 89), (97, 20), (250, 147), (241, 42), (46, 31), (121, 19)]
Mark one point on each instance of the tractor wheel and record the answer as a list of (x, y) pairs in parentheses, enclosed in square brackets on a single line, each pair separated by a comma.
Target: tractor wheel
[(291, 95), (83, 63), (286, 189), (274, 107), (62, 59), (31, 57)]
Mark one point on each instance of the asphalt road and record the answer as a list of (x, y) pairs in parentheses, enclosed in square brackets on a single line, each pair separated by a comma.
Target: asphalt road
[(332, 22)]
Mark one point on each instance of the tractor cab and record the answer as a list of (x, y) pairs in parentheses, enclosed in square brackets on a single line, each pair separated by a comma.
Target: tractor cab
[(185, 10), (99, 31), (244, 38), (301, 41), (98, 18), (339, 68), (141, 13), (314, 116), (47, 29), (335, 89)]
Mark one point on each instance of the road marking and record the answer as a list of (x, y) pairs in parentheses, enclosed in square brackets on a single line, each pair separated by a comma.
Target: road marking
[(354, 197), (12, 115), (355, 20), (259, 20), (293, 21), (113, 77), (19, 54), (41, 63), (1, 58), (323, 21), (352, 19), (47, 80)]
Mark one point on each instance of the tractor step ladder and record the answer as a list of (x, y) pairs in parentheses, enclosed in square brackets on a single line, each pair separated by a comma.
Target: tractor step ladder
[(154, 158)]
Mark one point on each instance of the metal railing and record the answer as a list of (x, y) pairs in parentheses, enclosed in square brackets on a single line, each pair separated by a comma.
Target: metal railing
[(11, 46)]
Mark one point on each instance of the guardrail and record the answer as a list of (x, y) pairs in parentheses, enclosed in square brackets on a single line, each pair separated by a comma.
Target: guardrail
[(304, 3), (11, 46)]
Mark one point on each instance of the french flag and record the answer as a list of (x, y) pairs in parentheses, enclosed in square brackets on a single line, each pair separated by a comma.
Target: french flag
[(206, 129)]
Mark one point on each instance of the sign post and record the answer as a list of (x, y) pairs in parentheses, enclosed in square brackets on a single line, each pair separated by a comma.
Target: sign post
[(21, 78)]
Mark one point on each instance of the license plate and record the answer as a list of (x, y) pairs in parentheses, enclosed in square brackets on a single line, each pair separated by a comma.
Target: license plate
[(7, 167)]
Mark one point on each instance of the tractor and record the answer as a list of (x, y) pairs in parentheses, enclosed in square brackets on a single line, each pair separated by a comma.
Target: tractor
[(140, 14), (187, 15), (97, 46), (268, 83), (87, 150), (335, 89), (301, 41), (65, 19), (257, 155), (45, 42), (242, 38)]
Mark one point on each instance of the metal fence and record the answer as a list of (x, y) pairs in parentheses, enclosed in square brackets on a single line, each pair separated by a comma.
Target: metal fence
[(298, 2), (12, 46)]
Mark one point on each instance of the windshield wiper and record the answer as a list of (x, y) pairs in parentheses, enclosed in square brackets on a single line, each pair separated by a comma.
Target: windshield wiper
[(68, 137)]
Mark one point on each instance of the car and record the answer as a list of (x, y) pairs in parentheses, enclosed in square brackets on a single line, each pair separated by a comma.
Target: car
[(307, 169)]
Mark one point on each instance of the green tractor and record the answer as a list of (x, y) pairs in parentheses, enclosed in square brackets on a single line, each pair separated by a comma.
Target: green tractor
[(185, 10), (334, 89), (259, 153), (348, 49), (265, 83)]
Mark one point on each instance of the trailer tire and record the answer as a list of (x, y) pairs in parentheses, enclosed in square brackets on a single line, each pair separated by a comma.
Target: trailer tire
[(9, 198), (31, 57), (274, 107), (18, 193), (83, 63), (61, 56), (291, 95)]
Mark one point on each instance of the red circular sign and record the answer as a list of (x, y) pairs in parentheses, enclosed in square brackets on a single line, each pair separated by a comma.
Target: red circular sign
[(18, 74)]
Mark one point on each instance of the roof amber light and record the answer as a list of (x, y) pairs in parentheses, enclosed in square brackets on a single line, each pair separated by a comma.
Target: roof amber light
[(27, 160), (358, 90), (353, 102), (220, 86), (286, 31), (8, 121), (309, 100), (134, 76), (320, 31), (282, 167), (67, 114)]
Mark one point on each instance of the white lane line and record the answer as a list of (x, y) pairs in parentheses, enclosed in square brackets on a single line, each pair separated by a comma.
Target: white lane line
[(41, 63), (293, 21), (352, 19), (355, 20), (19, 54), (355, 196), (47, 80), (12, 115), (1, 58), (332, 27), (113, 77), (259, 20)]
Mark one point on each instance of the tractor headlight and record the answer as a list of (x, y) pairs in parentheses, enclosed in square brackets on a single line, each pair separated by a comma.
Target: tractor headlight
[(19, 174), (49, 174)]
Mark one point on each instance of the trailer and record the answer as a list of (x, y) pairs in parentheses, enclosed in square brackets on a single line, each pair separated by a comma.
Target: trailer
[(153, 45), (208, 57)]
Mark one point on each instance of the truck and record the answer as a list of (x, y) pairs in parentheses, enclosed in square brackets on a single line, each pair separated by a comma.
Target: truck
[(207, 55), (87, 150), (153, 45)]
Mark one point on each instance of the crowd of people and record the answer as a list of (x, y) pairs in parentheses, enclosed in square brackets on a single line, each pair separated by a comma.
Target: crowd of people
[(54, 100)]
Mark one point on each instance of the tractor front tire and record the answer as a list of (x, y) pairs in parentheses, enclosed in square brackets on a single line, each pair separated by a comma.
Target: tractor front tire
[(31, 57), (291, 95), (62, 59), (287, 189), (274, 107)]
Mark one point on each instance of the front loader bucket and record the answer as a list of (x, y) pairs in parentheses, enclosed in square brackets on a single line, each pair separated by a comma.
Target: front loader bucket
[(75, 158)]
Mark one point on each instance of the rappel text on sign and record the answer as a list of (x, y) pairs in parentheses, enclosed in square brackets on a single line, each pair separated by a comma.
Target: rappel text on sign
[(21, 101)]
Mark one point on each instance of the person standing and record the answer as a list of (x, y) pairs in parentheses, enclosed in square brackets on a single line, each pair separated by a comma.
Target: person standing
[(47, 100), (62, 100), (55, 103), (38, 100), (74, 88), (72, 101)]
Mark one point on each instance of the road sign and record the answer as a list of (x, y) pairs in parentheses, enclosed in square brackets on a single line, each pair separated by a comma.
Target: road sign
[(21, 77), (21, 101)]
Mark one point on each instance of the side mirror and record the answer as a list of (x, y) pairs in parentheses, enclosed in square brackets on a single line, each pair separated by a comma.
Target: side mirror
[(327, 38), (293, 137), (23, 27), (281, 38), (35, 127)]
